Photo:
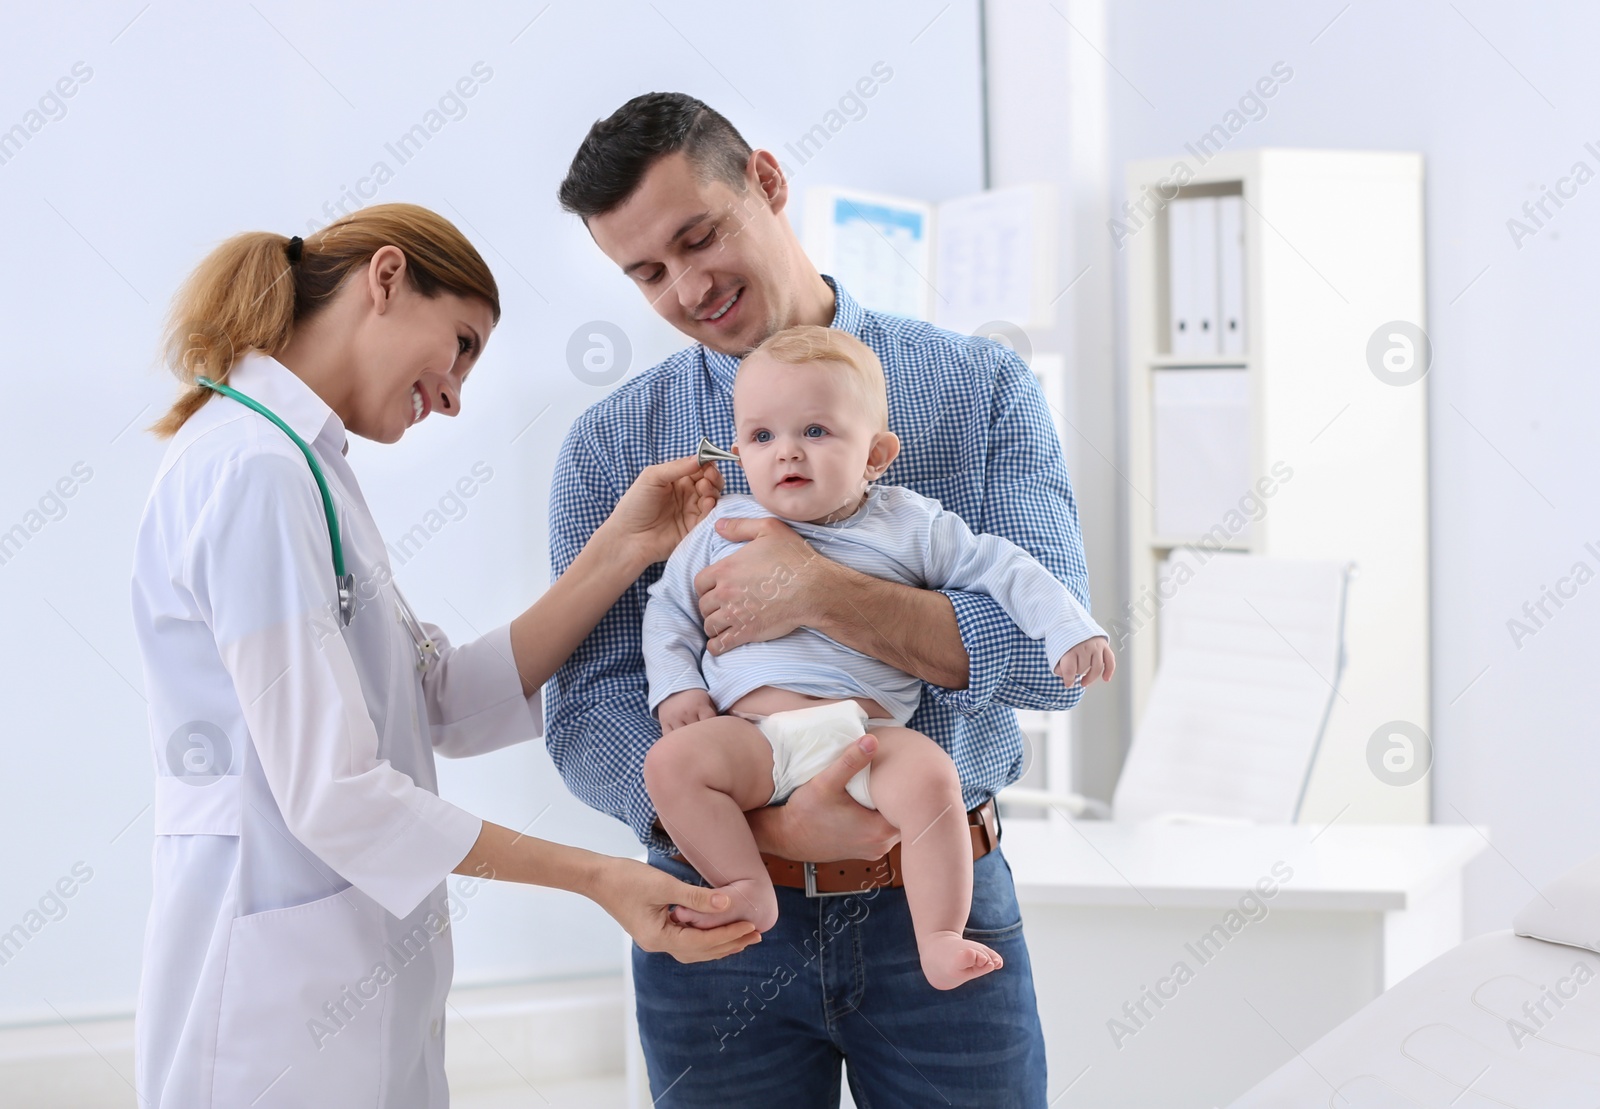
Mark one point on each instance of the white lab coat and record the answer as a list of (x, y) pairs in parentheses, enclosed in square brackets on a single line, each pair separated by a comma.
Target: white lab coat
[(298, 946)]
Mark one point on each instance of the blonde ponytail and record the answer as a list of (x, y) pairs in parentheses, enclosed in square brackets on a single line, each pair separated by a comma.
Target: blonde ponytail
[(248, 294), (241, 297)]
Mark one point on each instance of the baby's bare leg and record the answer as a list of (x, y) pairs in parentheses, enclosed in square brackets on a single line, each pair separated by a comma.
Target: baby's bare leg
[(703, 778), (915, 787)]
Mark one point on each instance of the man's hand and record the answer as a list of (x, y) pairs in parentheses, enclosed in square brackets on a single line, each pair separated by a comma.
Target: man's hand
[(687, 706), (765, 589), (821, 822), (1092, 659)]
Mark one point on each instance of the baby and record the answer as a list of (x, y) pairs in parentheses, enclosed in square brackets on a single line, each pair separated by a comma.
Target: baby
[(745, 728)]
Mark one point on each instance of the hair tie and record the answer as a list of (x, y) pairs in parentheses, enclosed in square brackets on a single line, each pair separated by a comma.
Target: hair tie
[(294, 249)]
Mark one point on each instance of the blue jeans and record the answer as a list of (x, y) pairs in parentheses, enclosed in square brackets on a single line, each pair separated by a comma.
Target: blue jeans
[(837, 978)]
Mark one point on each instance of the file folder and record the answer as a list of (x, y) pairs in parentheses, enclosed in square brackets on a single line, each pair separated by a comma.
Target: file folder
[(1180, 277), (1193, 278), (1230, 269), (1203, 283)]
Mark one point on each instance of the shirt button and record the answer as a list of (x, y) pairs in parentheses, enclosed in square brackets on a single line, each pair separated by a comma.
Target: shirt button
[(433, 1029)]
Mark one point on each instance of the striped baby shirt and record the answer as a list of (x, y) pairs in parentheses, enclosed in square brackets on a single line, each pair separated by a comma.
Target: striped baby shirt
[(897, 534)]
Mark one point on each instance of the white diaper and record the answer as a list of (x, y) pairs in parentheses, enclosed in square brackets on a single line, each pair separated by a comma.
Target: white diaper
[(805, 741)]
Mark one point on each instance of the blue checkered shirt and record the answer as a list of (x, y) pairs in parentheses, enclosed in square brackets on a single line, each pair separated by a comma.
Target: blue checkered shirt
[(975, 434)]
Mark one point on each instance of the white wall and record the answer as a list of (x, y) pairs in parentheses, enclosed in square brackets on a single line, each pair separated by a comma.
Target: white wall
[(1499, 99), (1048, 121), (200, 120)]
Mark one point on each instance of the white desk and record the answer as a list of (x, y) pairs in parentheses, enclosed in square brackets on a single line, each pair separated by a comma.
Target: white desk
[(1112, 909)]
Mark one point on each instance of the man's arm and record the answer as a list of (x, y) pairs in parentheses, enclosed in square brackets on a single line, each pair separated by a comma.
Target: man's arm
[(778, 582), (1027, 499), (912, 629), (991, 564), (598, 726)]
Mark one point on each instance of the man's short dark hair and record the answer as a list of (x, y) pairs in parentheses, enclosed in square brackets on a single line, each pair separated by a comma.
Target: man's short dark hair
[(618, 150)]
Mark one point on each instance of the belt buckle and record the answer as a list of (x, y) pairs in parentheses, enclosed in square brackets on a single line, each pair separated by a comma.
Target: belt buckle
[(811, 884)]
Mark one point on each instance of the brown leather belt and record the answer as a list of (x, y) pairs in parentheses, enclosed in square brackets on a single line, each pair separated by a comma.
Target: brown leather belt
[(848, 876)]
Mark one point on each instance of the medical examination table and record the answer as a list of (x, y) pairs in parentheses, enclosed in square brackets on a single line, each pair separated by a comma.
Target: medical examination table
[(1499, 1022)]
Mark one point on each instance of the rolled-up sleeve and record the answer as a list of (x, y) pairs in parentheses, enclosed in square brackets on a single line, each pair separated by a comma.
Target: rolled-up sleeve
[(258, 563), (1027, 499)]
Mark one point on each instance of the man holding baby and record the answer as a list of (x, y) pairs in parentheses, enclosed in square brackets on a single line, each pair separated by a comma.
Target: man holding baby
[(697, 219)]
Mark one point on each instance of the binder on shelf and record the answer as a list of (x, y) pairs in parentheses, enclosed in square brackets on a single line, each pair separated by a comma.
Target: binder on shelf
[(1203, 225), (1193, 294), (1180, 278), (1230, 270)]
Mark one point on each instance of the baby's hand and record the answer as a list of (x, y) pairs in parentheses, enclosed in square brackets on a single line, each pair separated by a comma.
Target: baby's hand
[(1092, 658), (687, 706)]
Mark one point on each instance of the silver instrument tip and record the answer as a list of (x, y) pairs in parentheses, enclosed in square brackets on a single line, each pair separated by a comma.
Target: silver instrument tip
[(709, 451)]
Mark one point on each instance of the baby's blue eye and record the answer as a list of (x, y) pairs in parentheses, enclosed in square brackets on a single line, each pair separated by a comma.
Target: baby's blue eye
[(817, 429), (763, 436)]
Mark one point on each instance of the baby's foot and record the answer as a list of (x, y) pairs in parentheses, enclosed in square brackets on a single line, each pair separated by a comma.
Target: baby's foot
[(949, 960), (751, 899)]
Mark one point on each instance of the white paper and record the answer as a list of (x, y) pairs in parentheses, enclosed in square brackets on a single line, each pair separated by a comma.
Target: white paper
[(1249, 663), (995, 259), (879, 247)]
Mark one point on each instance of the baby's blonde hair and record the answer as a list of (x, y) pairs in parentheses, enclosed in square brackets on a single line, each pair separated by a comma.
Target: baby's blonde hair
[(809, 344)]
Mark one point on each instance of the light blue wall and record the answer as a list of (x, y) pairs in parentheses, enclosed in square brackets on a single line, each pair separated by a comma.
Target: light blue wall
[(201, 120), (1500, 100)]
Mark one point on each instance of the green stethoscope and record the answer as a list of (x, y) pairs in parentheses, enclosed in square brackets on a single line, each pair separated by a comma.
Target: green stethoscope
[(345, 582)]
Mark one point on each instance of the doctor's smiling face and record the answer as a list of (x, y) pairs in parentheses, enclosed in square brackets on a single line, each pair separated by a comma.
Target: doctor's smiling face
[(718, 262), (399, 355), (414, 352)]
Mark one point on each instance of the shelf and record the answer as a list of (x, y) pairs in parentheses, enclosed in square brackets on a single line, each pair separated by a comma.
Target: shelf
[(1198, 362), (1162, 543)]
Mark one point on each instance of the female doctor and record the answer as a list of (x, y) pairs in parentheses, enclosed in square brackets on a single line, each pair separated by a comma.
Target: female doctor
[(298, 946)]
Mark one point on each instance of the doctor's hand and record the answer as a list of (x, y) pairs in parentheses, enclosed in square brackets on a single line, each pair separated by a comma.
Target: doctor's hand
[(640, 898), (765, 589), (821, 823), (1092, 659), (663, 505)]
